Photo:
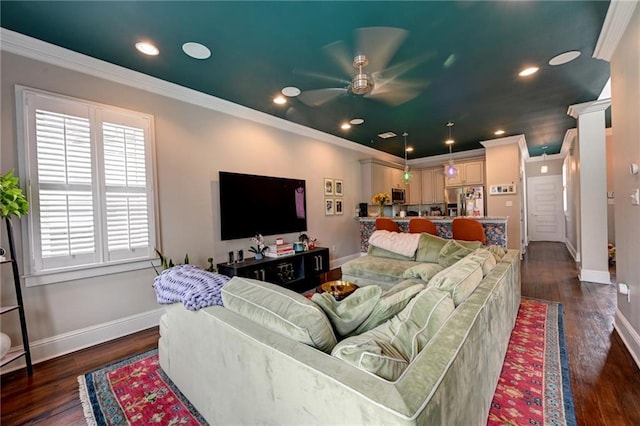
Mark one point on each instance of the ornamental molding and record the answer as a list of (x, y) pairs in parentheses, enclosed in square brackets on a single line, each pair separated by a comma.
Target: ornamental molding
[(615, 24)]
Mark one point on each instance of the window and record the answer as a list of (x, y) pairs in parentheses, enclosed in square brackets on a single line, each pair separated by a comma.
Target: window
[(90, 181)]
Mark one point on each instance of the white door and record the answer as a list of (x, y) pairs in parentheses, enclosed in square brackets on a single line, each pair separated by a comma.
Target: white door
[(544, 199)]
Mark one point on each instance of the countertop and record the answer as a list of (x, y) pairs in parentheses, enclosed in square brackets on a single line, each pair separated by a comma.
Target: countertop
[(437, 218)]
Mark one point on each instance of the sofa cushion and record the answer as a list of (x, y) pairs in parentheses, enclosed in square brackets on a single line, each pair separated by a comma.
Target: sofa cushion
[(281, 310), (497, 252), (379, 269), (429, 247), (380, 252), (470, 244), (484, 258), (452, 252), (423, 271), (390, 303), (460, 280), (347, 314), (389, 348)]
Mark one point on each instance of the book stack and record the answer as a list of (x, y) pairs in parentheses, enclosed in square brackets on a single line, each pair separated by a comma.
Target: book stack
[(280, 250)]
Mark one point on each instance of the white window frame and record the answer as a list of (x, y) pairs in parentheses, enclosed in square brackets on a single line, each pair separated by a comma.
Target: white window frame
[(101, 262)]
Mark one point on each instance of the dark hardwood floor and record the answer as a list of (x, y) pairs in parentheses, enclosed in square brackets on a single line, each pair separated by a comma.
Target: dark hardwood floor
[(604, 377)]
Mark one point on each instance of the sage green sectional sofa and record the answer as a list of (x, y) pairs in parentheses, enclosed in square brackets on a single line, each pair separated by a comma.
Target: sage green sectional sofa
[(271, 356)]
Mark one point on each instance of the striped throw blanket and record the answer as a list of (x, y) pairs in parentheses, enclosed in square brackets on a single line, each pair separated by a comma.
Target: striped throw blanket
[(191, 285)]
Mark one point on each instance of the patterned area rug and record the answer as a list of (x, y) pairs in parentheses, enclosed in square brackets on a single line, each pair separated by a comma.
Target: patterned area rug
[(534, 386), (533, 389), (135, 391)]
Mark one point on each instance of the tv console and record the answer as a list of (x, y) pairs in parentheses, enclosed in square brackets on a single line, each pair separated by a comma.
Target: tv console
[(299, 271)]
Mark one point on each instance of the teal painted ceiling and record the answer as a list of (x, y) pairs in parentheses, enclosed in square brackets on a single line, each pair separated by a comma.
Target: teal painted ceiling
[(452, 61)]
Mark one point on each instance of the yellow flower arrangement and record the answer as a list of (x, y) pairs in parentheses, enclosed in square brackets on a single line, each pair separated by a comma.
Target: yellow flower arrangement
[(381, 198)]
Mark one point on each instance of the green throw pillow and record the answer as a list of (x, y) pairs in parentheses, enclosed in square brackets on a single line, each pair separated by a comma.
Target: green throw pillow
[(452, 252), (380, 252), (460, 280), (390, 303), (470, 244), (497, 252), (485, 259), (388, 349), (423, 271), (280, 310), (429, 247), (347, 314)]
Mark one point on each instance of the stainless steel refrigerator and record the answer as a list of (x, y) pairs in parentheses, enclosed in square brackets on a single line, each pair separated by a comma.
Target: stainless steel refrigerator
[(465, 201)]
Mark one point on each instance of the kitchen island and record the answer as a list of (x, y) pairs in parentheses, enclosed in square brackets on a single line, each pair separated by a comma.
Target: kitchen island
[(495, 228)]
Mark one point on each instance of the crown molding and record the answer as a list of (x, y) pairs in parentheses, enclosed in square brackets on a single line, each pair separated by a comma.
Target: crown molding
[(615, 24), (19, 44), (567, 143), (507, 140), (588, 107), (437, 160)]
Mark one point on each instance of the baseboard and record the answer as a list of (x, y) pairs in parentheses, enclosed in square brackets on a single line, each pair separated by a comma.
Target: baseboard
[(62, 344), (337, 263), (572, 251), (593, 276), (629, 336)]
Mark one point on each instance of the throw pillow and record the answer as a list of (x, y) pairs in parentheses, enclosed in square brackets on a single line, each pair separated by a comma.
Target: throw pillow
[(347, 314), (280, 310), (460, 280), (485, 259), (470, 244), (452, 252), (390, 303), (423, 271), (497, 252), (429, 247), (380, 252), (389, 348)]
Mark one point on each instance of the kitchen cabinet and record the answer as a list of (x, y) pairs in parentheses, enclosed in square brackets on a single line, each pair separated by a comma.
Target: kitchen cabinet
[(433, 186), (377, 177), (414, 188), (469, 173)]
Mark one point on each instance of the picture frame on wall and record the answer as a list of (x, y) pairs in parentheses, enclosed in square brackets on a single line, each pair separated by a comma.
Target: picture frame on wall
[(328, 186), (329, 207), (337, 187), (339, 206)]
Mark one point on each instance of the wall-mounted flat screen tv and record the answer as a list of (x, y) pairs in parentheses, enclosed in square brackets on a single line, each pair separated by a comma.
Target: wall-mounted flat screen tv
[(251, 204)]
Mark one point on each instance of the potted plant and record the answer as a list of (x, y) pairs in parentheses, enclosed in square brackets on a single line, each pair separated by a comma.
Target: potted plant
[(12, 199), (260, 248)]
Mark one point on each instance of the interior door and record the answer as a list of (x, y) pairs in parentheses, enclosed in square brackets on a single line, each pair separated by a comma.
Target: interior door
[(546, 217)]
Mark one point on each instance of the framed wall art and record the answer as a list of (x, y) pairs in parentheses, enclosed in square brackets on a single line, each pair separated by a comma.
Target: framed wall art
[(337, 187), (339, 206), (328, 186), (329, 207)]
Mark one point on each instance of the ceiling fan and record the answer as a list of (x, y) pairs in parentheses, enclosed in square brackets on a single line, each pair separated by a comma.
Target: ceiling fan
[(370, 75)]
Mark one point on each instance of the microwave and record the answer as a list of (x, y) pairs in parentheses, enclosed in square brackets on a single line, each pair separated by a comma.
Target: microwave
[(397, 196)]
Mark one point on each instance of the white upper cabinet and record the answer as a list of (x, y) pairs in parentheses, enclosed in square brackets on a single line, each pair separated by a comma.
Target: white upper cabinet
[(433, 186), (470, 173)]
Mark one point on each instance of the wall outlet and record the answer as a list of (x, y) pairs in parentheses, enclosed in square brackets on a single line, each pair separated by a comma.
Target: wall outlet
[(509, 203)]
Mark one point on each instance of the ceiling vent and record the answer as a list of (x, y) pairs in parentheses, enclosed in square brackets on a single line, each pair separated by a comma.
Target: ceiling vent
[(387, 135)]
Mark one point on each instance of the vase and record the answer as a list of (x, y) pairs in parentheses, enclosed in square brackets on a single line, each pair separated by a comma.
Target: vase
[(259, 256), (381, 212)]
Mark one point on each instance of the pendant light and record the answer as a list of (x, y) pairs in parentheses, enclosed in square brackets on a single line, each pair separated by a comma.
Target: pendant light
[(406, 176), (450, 170), (544, 169)]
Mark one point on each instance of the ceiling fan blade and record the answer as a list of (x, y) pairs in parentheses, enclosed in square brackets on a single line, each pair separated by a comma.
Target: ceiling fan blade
[(379, 44), (314, 98), (396, 93), (320, 76), (341, 55), (401, 68)]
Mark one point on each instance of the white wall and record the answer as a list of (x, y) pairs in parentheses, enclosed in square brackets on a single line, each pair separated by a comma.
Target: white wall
[(625, 90), (572, 215), (192, 144)]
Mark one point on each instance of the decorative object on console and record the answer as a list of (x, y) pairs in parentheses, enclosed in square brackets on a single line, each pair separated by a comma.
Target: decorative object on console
[(260, 248), (450, 170), (381, 198)]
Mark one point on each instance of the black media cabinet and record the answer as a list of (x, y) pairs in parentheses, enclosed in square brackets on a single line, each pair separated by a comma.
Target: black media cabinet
[(299, 272)]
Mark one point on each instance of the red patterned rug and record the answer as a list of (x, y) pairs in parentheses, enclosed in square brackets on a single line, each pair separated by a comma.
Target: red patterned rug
[(533, 388)]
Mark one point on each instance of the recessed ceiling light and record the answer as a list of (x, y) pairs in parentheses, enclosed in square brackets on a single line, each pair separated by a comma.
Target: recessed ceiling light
[(357, 121), (409, 149), (528, 71), (280, 100), (147, 48), (386, 135), (565, 57), (291, 91), (449, 142), (345, 126), (499, 132), (196, 50)]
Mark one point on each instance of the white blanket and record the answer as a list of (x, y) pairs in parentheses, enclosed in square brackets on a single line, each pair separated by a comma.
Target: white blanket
[(402, 243)]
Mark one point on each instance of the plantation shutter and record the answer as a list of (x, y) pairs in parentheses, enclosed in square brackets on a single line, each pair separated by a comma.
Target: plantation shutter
[(90, 180), (125, 185)]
